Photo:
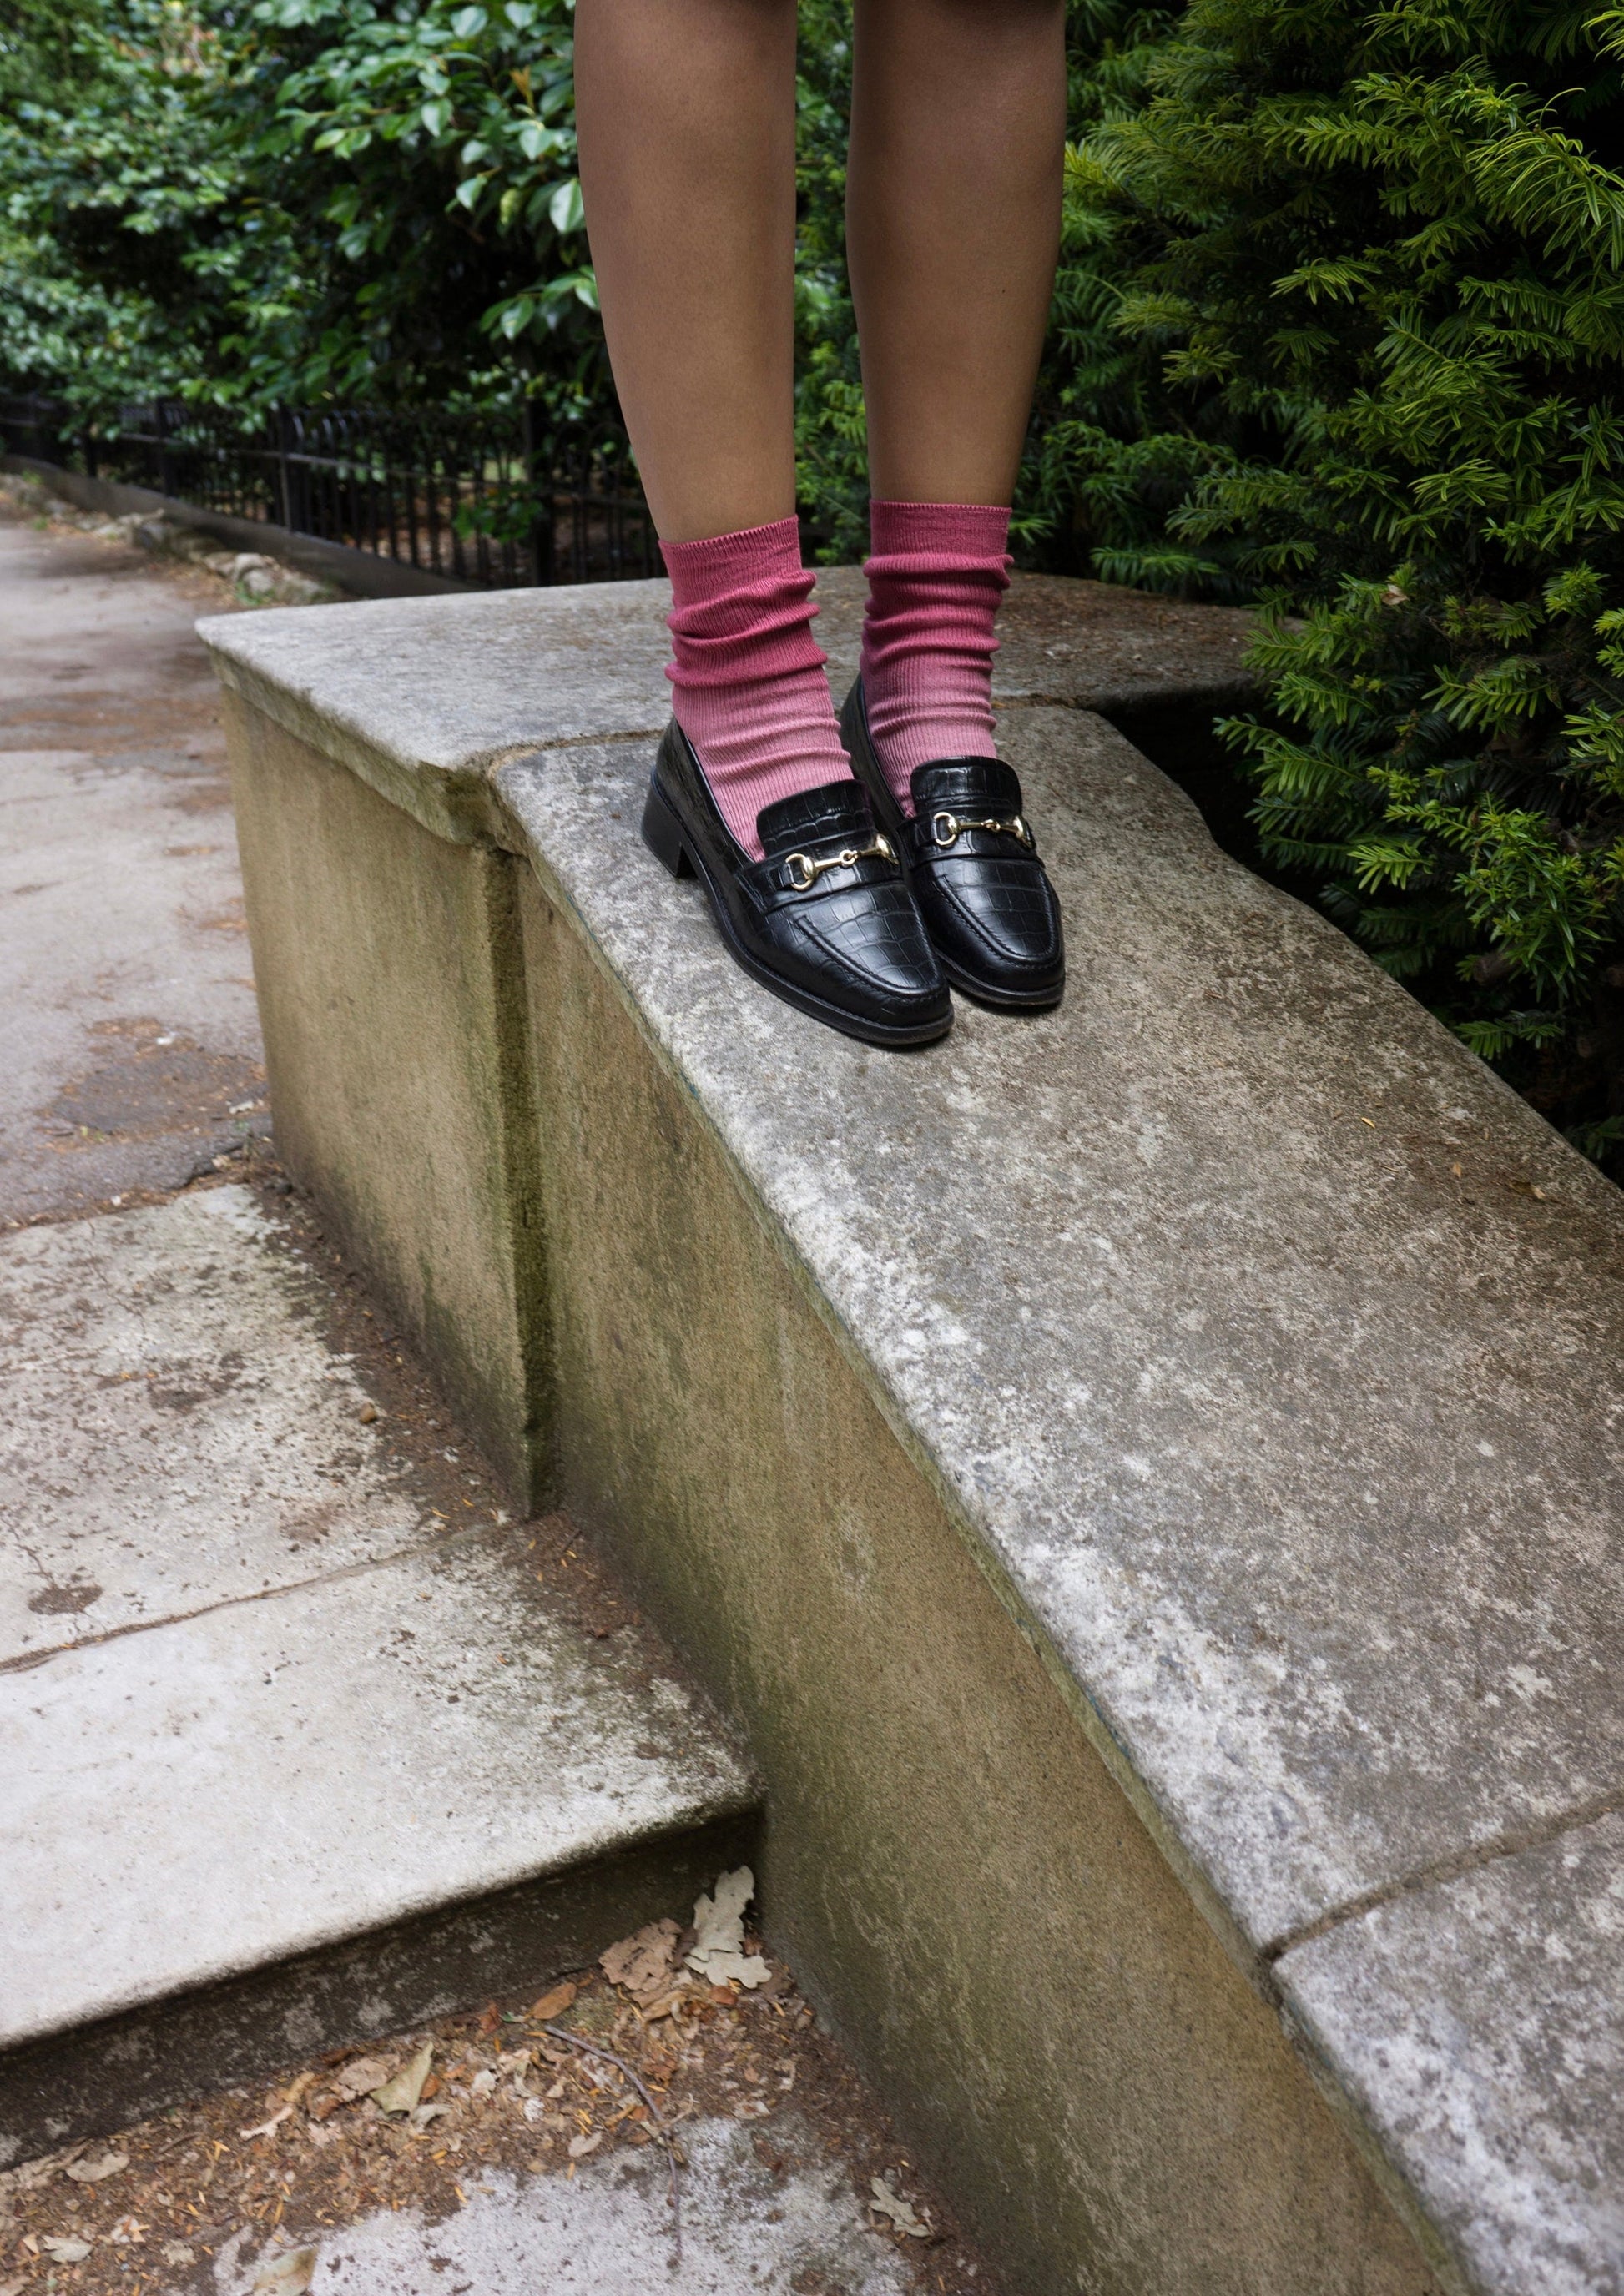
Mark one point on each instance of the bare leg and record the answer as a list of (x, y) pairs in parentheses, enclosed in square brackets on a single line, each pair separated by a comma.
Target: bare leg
[(952, 230), (686, 112)]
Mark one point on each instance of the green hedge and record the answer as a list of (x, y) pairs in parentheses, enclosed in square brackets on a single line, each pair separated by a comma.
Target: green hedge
[(1367, 271), (293, 201)]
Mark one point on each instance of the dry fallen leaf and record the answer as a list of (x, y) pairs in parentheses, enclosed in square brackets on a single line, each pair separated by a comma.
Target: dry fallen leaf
[(90, 2170), (644, 1964), (579, 2146), (719, 1953), (887, 2203), (64, 2252), (289, 2275), (401, 2094), (360, 2078), (664, 2005), (13, 2287), (33, 2174), (555, 2002)]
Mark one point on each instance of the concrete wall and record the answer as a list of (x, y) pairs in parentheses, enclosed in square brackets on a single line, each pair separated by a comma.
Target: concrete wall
[(386, 962), (1144, 1479), (956, 1877)]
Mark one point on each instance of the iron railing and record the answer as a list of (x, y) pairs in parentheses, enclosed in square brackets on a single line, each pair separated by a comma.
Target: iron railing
[(491, 498)]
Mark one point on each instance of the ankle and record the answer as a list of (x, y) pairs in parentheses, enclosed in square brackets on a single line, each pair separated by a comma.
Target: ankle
[(936, 574), (747, 677)]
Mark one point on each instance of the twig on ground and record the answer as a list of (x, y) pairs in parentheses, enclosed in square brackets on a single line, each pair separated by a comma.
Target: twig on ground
[(595, 2049)]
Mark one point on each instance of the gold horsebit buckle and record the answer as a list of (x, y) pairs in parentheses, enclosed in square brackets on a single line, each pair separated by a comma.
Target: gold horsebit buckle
[(805, 871), (946, 829)]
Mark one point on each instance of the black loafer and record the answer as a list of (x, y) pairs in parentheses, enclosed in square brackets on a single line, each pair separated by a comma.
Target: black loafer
[(971, 865), (826, 921)]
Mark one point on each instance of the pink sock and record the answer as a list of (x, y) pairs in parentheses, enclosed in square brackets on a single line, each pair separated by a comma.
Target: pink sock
[(750, 692), (935, 578)]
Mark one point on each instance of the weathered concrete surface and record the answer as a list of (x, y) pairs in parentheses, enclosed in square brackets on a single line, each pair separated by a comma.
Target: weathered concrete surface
[(128, 1039), (424, 1729), (1300, 1449), (1257, 1346), (797, 2232), (572, 663), (315, 1767), (175, 1434), (948, 1861), (409, 1117), (1482, 2023)]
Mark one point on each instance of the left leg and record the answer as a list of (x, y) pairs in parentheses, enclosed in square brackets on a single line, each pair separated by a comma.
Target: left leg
[(953, 192), (953, 233)]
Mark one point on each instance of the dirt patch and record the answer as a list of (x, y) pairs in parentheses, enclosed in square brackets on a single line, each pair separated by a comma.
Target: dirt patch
[(315, 2151), (155, 1083)]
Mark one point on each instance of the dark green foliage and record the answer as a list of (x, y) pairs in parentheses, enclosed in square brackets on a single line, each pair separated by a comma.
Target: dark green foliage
[(112, 170), (296, 201), (830, 432), (427, 151), (1367, 271)]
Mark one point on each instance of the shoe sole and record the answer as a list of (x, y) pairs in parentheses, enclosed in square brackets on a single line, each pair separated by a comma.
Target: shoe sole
[(865, 766), (663, 834)]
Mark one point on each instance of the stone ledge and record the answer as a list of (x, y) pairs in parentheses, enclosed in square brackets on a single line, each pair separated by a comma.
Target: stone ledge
[(1477, 2023), (1276, 1397), (1230, 1453), (587, 662)]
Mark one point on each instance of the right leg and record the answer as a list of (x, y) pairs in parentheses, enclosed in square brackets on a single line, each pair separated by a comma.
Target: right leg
[(686, 113)]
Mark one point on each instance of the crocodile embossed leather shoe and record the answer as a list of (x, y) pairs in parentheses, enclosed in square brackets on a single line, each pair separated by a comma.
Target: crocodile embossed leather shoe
[(972, 867), (825, 920)]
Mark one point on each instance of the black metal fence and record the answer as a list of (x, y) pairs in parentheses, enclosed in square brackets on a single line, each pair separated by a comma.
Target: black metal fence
[(490, 498)]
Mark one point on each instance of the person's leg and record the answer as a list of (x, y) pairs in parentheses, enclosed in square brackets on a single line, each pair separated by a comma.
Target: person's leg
[(953, 233), (687, 116)]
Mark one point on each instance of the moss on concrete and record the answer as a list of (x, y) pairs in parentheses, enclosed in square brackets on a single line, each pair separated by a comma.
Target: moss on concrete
[(386, 962)]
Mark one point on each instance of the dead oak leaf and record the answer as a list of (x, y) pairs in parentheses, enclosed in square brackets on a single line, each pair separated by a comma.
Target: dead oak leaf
[(719, 1953), (402, 2094), (642, 1965), (96, 2166), (888, 2203)]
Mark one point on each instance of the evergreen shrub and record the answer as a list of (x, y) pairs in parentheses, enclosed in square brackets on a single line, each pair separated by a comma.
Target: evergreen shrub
[(1360, 268)]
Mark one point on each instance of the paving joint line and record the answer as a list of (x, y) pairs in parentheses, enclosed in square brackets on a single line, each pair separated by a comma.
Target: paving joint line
[(1442, 1870), (26, 1662)]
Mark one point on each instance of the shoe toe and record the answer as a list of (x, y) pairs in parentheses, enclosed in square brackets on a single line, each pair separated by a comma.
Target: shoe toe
[(1003, 912), (874, 937)]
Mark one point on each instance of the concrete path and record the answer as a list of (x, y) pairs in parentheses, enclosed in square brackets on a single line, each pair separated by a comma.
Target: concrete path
[(609, 2233), (261, 1657), (130, 1045)]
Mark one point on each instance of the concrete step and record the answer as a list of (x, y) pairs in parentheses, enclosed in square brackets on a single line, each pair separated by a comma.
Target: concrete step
[(284, 1762)]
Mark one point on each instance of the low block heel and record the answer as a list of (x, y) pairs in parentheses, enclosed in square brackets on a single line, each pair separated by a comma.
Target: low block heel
[(663, 834)]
